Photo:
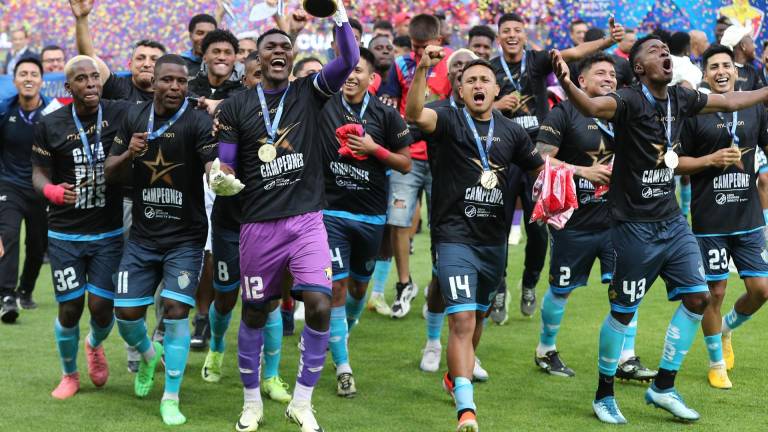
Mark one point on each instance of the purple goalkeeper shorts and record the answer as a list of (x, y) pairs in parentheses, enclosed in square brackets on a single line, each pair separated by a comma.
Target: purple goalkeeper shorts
[(298, 244)]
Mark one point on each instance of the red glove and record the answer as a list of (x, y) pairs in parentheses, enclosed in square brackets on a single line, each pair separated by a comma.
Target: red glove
[(342, 133), (54, 193)]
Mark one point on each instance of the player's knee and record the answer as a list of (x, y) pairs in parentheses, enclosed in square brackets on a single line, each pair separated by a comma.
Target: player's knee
[(339, 292), (225, 302), (697, 302), (462, 324), (70, 312), (255, 316), (175, 310), (759, 290), (623, 317), (317, 310), (716, 293), (101, 310)]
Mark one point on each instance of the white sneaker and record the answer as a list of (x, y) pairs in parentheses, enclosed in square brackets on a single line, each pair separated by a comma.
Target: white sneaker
[(514, 235), (430, 360), (298, 313), (303, 415), (670, 401), (251, 417), (478, 373), (404, 294)]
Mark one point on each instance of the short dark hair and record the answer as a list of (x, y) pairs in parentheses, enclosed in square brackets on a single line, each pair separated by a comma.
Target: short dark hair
[(50, 48), (594, 58), (201, 18), (271, 32), (481, 31), (34, 60), (368, 56), (383, 25), (424, 27), (510, 16), (219, 35), (150, 44), (299, 65), (479, 62), (635, 50), (576, 22), (679, 43), (765, 44), (254, 55), (662, 34), (723, 20), (402, 41), (169, 59), (370, 42), (715, 49), (355, 24), (594, 34)]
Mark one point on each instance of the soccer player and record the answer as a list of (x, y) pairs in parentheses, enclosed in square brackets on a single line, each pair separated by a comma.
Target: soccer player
[(480, 41), (18, 116), (84, 218), (424, 30), (161, 151), (245, 47), (521, 74), (136, 88), (199, 26), (434, 311), (220, 49), (739, 39), (588, 145), (356, 193), (649, 228), (282, 228), (53, 58), (476, 144), (727, 215)]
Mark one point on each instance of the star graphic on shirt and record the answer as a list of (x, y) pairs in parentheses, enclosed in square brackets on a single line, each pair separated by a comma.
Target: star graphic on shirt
[(740, 164), (494, 167), (601, 155), (160, 168), (282, 142)]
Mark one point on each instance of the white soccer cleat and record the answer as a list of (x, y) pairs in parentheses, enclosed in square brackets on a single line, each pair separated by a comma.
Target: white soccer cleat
[(251, 417), (514, 235), (298, 312), (607, 411), (223, 184), (670, 401), (478, 373), (430, 360), (303, 415)]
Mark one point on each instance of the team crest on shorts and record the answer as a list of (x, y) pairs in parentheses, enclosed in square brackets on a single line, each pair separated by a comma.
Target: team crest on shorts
[(184, 279), (764, 255), (612, 294), (328, 273)]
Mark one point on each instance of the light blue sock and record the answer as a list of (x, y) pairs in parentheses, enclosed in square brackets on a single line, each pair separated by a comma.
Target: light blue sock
[(434, 325), (734, 320), (134, 333), (338, 340), (680, 333), (99, 334), (714, 345), (631, 334), (273, 344), (464, 394), (380, 275), (552, 310), (765, 215), (354, 308), (67, 340), (219, 324), (611, 340), (685, 198), (176, 347)]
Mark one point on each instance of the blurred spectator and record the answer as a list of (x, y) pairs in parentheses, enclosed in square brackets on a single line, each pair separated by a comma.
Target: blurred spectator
[(624, 75), (481, 41), (722, 24), (53, 59), (384, 28), (684, 72), (622, 50), (401, 21), (699, 44), (739, 39), (402, 45), (19, 49), (578, 29)]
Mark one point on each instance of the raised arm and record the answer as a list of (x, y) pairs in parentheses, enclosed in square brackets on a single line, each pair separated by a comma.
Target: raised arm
[(333, 75), (603, 107), (424, 118), (734, 101), (81, 9), (587, 48)]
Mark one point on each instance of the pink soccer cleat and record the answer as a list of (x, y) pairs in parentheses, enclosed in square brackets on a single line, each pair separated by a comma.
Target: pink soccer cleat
[(98, 370), (69, 385)]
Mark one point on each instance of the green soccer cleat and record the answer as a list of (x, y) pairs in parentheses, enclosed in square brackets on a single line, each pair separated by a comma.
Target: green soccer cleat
[(169, 410), (276, 389), (212, 367), (145, 377)]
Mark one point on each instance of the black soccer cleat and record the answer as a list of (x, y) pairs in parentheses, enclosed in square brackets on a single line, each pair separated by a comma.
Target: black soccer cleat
[(553, 365), (9, 311), (633, 370)]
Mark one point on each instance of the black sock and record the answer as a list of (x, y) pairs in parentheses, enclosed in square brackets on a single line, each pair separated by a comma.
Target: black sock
[(665, 379), (458, 415), (604, 386)]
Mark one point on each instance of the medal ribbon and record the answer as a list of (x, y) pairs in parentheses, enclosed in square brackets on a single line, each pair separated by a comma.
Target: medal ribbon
[(517, 84), (28, 120), (271, 127), (362, 110), (668, 125), (84, 137), (732, 130), (608, 129), (484, 152), (453, 102), (151, 124)]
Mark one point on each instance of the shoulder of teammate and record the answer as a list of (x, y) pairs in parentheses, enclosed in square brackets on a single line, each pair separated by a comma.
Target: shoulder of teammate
[(122, 107), (393, 85), (114, 88), (128, 125), (523, 153), (540, 61), (228, 117), (207, 145), (41, 152), (447, 119), (554, 125), (628, 102), (762, 117), (398, 134)]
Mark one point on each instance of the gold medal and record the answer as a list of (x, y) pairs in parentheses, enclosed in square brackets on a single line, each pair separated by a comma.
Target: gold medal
[(488, 180), (267, 153), (670, 159)]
